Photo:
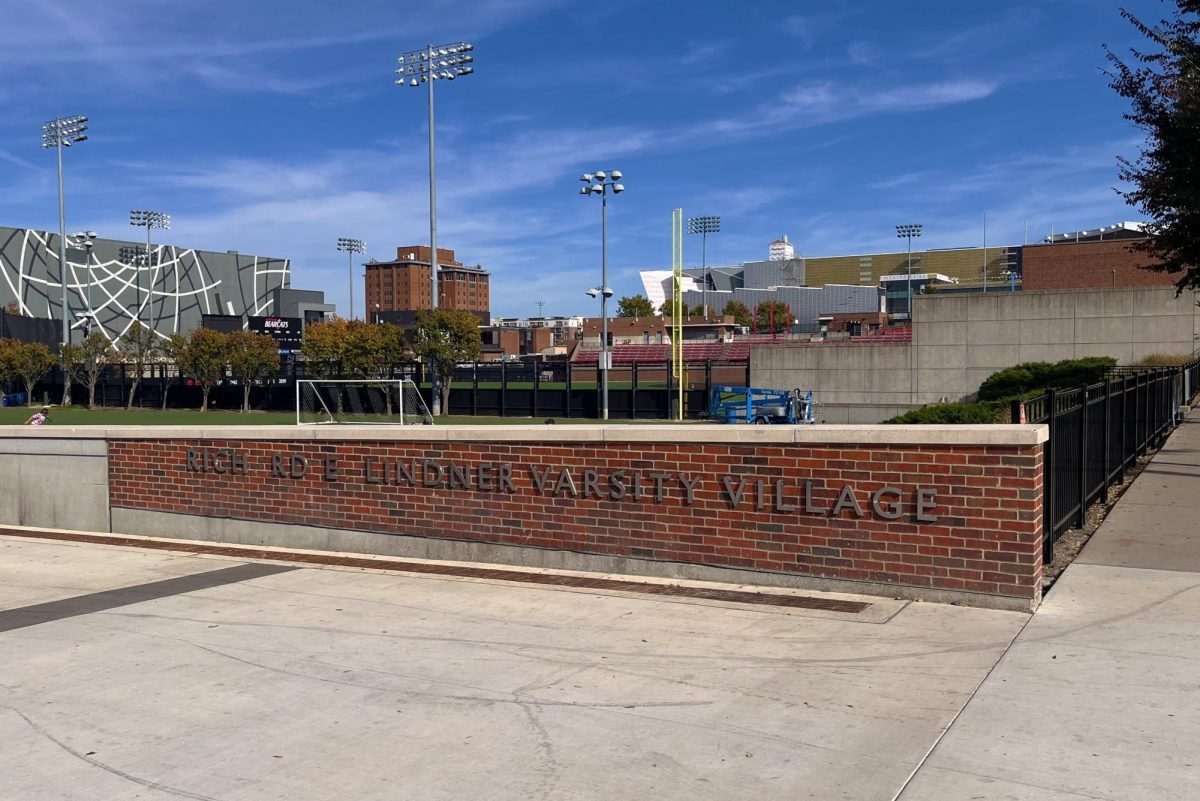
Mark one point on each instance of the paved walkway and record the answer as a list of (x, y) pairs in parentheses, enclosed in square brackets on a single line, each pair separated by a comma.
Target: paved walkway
[(1099, 696), (135, 674)]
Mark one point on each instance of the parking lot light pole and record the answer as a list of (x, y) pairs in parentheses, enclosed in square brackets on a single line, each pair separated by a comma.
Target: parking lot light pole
[(85, 241), (599, 183)]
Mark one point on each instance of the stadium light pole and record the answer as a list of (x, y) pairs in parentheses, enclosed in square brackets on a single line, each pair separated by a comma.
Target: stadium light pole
[(59, 133), (909, 232), (350, 247), (434, 62), (600, 183), (704, 226), (85, 241), (145, 218)]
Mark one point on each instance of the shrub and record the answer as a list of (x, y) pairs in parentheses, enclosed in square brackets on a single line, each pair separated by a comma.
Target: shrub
[(1163, 360), (952, 413), (1037, 377)]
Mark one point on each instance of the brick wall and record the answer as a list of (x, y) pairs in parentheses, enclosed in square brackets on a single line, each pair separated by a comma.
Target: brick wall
[(1087, 265), (701, 503)]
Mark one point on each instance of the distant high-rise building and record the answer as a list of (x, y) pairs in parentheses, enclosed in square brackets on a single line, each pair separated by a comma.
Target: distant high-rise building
[(781, 250), (405, 284)]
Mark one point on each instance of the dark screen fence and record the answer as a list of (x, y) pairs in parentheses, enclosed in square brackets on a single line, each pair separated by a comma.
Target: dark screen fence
[(1098, 432)]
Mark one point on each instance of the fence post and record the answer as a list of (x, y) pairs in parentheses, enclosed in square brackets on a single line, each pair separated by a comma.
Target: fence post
[(537, 383), (633, 381), (567, 399), (503, 389), (1014, 411), (1107, 437), (1049, 513), (1083, 457), (474, 389)]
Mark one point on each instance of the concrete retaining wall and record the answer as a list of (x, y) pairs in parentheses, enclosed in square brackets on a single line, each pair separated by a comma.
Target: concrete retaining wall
[(959, 340)]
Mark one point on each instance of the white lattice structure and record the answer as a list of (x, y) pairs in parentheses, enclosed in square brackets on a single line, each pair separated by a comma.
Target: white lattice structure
[(168, 292)]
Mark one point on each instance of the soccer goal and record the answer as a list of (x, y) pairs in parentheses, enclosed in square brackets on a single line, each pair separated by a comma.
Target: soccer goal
[(358, 402)]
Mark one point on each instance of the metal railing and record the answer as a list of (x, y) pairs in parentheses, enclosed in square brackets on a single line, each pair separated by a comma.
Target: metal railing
[(1097, 433)]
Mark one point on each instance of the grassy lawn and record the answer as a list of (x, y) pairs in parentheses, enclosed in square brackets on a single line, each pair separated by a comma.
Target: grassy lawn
[(81, 416)]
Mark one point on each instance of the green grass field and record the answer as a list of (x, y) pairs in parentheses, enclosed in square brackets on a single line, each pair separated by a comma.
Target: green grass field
[(80, 416)]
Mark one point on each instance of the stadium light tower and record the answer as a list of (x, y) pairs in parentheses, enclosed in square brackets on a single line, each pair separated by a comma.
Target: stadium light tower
[(350, 247), (63, 132), (144, 218), (434, 62), (704, 226), (909, 232), (600, 183)]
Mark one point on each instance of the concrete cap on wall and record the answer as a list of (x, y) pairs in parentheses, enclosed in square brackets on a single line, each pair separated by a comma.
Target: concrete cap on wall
[(861, 435)]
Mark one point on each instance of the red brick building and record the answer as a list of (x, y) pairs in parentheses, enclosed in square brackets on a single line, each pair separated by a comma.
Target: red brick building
[(405, 284), (1088, 264)]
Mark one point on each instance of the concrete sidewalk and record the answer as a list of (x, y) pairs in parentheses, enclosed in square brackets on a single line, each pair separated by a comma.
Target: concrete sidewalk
[(1099, 696)]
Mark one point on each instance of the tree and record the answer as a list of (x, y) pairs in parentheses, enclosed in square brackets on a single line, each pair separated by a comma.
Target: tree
[(443, 338), (772, 316), (138, 347), (371, 350), (7, 348), (1163, 87), (85, 363), (740, 314), (31, 361), (174, 350), (635, 306), (253, 357), (324, 347), (204, 359)]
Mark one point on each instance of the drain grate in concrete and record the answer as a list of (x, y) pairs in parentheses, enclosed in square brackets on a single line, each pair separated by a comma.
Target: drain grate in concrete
[(460, 571)]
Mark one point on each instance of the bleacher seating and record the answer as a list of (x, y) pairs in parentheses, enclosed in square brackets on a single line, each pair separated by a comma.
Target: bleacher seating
[(735, 352)]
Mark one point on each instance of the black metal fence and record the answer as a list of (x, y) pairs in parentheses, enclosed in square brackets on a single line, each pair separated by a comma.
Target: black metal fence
[(514, 389), (1097, 433)]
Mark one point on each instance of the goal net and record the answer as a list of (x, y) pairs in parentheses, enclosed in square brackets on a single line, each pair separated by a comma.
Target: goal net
[(358, 402)]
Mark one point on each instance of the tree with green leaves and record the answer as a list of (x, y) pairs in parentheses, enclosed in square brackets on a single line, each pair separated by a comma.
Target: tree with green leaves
[(204, 360), (443, 338), (635, 306), (86, 362), (1163, 87), (7, 374), (138, 347), (738, 311), (324, 347), (173, 350), (772, 316), (253, 357), (30, 361)]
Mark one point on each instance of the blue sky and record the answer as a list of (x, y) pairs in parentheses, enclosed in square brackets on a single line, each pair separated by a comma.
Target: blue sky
[(274, 127)]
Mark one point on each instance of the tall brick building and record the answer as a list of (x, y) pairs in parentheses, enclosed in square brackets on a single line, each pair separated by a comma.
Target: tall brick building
[(405, 284)]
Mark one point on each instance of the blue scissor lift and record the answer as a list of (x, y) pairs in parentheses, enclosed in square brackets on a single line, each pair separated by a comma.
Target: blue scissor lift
[(760, 406)]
